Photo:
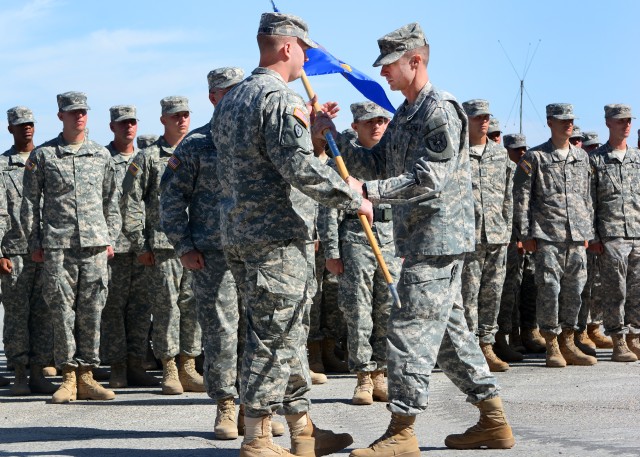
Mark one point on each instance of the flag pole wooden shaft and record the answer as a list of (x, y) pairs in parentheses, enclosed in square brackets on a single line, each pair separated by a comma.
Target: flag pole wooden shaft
[(344, 173)]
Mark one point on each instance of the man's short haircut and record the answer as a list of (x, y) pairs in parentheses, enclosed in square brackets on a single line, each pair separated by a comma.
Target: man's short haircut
[(422, 51)]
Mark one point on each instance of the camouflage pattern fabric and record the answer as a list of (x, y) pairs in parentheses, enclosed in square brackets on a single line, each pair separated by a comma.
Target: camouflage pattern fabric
[(591, 310), (326, 320), (518, 299)]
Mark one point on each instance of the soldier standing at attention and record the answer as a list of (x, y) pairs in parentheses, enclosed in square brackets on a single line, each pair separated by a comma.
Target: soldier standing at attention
[(127, 315), (175, 324), (484, 269), (554, 219), (425, 175), (493, 132), (617, 239), (73, 180), (269, 176)]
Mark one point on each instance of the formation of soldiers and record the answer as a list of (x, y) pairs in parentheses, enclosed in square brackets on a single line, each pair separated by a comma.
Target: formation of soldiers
[(239, 241)]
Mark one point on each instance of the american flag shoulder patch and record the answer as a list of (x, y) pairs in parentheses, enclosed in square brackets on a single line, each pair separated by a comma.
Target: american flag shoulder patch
[(173, 162), (526, 166), (301, 116), (30, 165), (133, 168)]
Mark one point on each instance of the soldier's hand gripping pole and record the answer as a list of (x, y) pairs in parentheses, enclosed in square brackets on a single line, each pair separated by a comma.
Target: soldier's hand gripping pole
[(344, 173)]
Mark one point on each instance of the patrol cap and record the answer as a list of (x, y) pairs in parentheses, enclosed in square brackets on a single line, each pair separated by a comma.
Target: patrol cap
[(494, 125), (174, 104), (285, 25), (122, 113), (224, 77), (514, 141), (393, 45), (617, 111), (20, 115), (576, 133), (70, 101), (590, 138), (144, 141), (562, 111), (363, 111), (476, 107)]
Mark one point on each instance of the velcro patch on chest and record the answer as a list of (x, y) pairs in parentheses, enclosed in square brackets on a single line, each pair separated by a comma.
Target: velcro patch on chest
[(133, 169), (30, 165), (525, 166), (173, 162)]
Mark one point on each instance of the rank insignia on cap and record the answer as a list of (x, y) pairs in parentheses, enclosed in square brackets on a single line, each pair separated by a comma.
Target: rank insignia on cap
[(301, 116), (30, 165), (526, 166), (134, 168), (173, 162)]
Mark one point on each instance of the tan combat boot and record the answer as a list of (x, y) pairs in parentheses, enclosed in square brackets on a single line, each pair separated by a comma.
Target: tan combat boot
[(307, 440), (226, 427), (399, 440), (49, 371), (515, 341), (582, 342), (554, 356), (504, 351), (258, 442), (314, 355), (68, 389), (137, 375), (89, 388), (317, 378), (380, 389), (170, 381), (532, 340), (621, 352), (363, 393), (118, 377), (600, 339), (38, 383), (190, 379), (633, 342), (492, 430), (277, 429), (330, 361), (20, 386), (494, 362), (570, 352)]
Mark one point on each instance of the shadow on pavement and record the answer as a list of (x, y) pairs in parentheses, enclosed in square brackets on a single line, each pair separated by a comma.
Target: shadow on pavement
[(103, 452)]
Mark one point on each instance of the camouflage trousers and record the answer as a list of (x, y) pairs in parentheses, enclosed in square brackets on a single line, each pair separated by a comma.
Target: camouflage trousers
[(175, 322), (518, 299), (365, 300), (74, 286), (619, 292), (326, 319), (126, 317), (272, 279), (28, 331), (431, 327), (590, 309), (561, 273), (482, 280), (222, 320)]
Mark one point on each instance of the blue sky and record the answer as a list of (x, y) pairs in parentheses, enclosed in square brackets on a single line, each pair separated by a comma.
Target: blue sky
[(136, 52)]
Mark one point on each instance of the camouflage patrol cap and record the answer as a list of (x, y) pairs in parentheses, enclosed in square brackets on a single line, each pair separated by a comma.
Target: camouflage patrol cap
[(144, 141), (494, 125), (285, 25), (20, 115), (514, 141), (590, 138), (120, 113), (562, 111), (476, 107), (224, 77), (393, 45), (70, 101), (576, 133), (174, 104), (363, 111), (617, 111)]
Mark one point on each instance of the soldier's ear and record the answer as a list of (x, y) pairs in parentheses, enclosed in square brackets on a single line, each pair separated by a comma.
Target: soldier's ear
[(60, 115)]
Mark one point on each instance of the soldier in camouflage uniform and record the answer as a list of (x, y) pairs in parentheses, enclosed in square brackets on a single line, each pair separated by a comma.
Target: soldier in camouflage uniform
[(424, 171), (126, 317), (175, 324), (364, 296), (269, 176), (554, 219), (73, 180), (484, 269), (616, 168), (493, 132), (576, 137), (27, 333)]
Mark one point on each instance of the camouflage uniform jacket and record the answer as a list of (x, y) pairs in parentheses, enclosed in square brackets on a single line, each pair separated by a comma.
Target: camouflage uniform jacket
[(492, 178), (334, 227), (140, 202), (8, 205), (78, 193), (15, 239), (555, 203), (267, 169), (123, 245), (425, 155), (616, 193), (190, 196)]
